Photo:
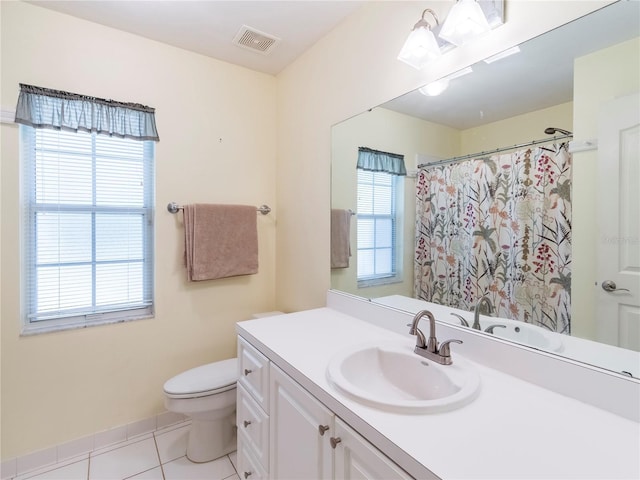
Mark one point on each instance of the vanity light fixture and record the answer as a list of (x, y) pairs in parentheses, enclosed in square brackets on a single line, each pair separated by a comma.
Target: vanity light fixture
[(435, 88), (469, 19), (501, 55), (421, 46)]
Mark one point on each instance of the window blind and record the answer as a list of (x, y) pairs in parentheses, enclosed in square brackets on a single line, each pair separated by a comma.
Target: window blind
[(88, 226), (376, 225)]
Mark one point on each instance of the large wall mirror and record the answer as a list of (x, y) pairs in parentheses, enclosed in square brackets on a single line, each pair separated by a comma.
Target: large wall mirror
[(582, 78)]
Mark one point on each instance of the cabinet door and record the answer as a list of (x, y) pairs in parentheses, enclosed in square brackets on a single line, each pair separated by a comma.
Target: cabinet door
[(299, 431), (356, 458)]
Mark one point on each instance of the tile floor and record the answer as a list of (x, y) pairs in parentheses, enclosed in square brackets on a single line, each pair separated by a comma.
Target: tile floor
[(154, 456)]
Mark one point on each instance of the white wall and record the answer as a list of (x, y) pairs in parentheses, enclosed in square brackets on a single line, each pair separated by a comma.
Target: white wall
[(217, 144), (350, 70)]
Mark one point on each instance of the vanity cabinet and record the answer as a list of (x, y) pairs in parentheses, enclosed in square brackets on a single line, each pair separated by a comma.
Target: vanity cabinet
[(300, 431), (285, 433), (308, 441), (252, 412)]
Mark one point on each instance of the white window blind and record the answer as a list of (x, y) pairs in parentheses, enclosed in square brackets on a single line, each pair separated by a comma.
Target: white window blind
[(87, 228), (377, 227)]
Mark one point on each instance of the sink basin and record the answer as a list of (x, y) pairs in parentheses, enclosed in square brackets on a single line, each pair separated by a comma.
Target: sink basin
[(525, 334), (390, 376)]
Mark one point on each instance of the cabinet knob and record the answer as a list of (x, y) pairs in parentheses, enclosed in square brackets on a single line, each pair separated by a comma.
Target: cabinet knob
[(246, 423), (247, 371), (322, 429), (246, 474), (335, 441)]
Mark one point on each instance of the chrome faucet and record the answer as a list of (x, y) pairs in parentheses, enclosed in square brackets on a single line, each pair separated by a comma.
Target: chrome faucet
[(484, 301), (428, 348), (463, 321)]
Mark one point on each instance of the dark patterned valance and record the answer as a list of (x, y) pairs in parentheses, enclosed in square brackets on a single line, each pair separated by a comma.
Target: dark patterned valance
[(376, 161), (46, 108)]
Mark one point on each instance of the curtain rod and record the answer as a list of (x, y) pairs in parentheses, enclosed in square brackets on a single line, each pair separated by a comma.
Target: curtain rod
[(488, 152)]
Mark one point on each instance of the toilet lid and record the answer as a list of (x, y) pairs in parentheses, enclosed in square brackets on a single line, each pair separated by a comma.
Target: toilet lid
[(205, 380)]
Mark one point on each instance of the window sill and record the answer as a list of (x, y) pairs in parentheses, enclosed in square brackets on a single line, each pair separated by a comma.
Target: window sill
[(376, 282), (30, 330)]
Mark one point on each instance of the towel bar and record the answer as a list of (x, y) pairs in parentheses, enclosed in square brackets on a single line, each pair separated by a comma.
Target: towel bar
[(173, 207)]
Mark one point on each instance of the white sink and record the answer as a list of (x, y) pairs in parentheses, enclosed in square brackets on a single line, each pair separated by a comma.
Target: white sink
[(525, 334), (390, 376)]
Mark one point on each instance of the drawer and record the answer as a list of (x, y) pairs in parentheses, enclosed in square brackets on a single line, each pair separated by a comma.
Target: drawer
[(248, 467), (254, 373), (253, 422)]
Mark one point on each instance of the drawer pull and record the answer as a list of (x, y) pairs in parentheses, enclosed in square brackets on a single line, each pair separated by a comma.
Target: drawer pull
[(246, 474), (323, 428), (247, 371), (335, 441), (246, 423)]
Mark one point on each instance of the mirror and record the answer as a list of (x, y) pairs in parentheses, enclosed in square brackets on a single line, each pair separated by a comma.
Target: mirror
[(554, 81)]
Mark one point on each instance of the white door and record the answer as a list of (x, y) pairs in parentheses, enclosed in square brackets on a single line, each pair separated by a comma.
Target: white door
[(356, 459), (618, 282), (299, 432)]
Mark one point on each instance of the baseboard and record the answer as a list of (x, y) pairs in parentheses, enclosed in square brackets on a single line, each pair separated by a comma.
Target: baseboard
[(85, 445)]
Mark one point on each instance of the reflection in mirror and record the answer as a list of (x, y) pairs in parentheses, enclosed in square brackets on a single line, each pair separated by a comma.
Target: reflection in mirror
[(523, 227)]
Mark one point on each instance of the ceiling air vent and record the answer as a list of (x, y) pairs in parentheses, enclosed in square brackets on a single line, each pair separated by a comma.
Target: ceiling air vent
[(255, 40)]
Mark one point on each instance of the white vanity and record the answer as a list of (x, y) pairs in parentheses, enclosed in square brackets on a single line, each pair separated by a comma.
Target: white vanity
[(294, 423)]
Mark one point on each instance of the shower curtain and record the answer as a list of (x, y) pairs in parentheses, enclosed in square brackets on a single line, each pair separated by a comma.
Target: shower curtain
[(498, 226)]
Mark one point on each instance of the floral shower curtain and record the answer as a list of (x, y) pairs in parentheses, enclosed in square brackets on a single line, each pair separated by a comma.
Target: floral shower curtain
[(498, 226)]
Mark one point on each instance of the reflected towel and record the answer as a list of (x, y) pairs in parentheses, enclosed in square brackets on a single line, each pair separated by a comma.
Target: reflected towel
[(220, 241), (340, 238)]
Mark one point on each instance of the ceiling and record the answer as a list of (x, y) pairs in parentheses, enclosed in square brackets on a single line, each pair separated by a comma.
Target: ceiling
[(209, 27), (543, 70)]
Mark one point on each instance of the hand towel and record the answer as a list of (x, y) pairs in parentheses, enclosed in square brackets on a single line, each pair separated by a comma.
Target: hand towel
[(340, 238), (220, 241)]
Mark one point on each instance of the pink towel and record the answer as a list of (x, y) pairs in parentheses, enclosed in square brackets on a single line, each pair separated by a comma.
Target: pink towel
[(340, 238), (220, 241)]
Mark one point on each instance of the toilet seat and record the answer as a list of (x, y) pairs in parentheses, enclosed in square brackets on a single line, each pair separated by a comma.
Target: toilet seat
[(203, 381)]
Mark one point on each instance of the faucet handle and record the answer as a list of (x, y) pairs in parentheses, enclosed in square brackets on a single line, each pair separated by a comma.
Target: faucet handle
[(445, 350), (491, 328)]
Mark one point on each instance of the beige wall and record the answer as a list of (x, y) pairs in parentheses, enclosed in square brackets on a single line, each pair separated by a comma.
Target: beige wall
[(389, 131), (515, 130), (600, 77), (217, 128), (61, 386)]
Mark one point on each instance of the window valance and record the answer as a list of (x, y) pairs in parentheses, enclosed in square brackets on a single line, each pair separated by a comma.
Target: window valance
[(46, 108), (376, 161)]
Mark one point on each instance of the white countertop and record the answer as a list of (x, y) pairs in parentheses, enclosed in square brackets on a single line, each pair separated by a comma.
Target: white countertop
[(512, 430)]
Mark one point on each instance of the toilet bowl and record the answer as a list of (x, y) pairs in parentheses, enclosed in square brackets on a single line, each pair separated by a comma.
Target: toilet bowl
[(207, 395)]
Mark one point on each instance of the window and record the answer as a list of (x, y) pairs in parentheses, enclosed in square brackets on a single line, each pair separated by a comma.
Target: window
[(377, 224), (87, 228)]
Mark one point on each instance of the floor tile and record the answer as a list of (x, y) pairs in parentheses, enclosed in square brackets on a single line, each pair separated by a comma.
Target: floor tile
[(124, 462), (233, 456), (233, 477), (182, 469), (172, 444), (115, 446), (73, 471), (153, 474)]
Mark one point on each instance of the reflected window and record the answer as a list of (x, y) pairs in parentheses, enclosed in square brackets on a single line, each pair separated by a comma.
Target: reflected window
[(377, 225)]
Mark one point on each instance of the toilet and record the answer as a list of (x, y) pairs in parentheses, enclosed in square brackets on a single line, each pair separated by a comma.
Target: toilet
[(206, 394)]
